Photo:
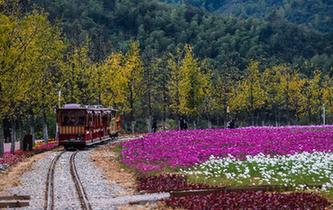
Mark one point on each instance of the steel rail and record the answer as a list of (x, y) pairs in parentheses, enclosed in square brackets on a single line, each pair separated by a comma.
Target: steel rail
[(49, 191), (85, 205)]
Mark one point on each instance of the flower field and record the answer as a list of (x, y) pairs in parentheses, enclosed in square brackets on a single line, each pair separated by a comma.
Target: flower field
[(296, 171), (298, 157), (185, 148)]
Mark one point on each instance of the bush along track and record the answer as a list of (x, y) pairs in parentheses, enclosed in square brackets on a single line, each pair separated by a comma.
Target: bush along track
[(9, 159)]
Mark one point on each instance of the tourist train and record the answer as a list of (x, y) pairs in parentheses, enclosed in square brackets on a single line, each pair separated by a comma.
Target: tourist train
[(84, 125)]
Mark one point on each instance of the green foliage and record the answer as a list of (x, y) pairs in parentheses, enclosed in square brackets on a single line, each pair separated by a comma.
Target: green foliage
[(227, 42), (250, 94), (185, 61), (311, 13), (31, 53), (76, 76), (188, 84)]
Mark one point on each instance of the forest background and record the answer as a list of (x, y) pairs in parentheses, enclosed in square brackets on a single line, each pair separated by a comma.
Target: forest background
[(208, 61)]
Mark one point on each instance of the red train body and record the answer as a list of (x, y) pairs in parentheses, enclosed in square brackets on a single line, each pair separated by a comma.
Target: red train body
[(80, 126)]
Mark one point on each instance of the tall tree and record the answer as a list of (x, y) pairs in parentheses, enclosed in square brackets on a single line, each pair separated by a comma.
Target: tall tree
[(188, 85), (24, 41), (249, 96), (48, 63), (328, 95), (155, 91), (133, 69), (312, 98), (114, 82), (77, 79)]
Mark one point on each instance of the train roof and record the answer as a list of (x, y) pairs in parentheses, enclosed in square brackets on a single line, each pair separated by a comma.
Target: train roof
[(86, 107)]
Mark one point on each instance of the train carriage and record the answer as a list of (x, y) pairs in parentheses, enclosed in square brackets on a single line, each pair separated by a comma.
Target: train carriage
[(80, 125)]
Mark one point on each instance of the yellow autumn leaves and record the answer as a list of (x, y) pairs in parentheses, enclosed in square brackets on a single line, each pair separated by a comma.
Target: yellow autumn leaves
[(189, 83), (281, 89), (30, 49)]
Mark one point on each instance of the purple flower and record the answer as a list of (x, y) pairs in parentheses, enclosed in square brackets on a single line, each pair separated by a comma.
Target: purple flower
[(186, 148)]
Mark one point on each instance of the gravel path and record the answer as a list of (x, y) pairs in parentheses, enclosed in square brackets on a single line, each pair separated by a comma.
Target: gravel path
[(33, 182), (2, 167), (65, 193), (101, 194)]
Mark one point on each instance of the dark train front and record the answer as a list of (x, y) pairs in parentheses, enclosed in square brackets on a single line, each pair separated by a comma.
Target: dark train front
[(84, 125)]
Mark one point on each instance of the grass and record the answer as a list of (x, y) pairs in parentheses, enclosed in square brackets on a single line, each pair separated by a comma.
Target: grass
[(249, 173), (278, 175)]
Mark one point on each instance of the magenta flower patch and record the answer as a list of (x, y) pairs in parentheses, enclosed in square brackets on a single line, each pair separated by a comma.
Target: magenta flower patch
[(186, 148)]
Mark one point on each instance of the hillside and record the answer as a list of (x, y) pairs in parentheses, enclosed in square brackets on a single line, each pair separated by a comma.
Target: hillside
[(316, 14), (227, 42)]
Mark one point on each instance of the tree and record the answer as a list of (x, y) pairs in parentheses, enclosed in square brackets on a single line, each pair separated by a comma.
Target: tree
[(77, 78), (221, 88), (249, 95), (312, 97), (48, 65), (174, 83), (121, 85), (113, 82), (24, 42), (272, 83), (188, 85), (328, 94), (155, 94), (133, 70)]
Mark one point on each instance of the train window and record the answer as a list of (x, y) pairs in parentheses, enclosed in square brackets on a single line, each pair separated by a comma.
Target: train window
[(81, 120), (91, 123), (73, 119)]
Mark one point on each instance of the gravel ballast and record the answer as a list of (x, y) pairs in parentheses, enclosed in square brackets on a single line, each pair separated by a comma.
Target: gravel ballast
[(33, 182), (102, 194), (3, 167), (64, 188)]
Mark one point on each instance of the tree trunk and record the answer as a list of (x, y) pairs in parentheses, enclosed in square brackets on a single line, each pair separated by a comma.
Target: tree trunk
[(275, 116), (209, 123), (45, 128), (13, 137), (164, 119), (164, 111), (149, 124), (133, 126), (20, 133), (195, 122), (2, 140), (178, 122), (32, 127)]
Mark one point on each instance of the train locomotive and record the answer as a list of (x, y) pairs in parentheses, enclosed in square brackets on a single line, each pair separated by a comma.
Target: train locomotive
[(84, 125)]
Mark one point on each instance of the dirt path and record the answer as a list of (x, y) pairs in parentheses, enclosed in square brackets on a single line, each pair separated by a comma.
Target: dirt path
[(107, 159), (11, 177)]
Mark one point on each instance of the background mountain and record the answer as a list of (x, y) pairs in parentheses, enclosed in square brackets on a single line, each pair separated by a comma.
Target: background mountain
[(243, 30), (317, 14), (263, 60)]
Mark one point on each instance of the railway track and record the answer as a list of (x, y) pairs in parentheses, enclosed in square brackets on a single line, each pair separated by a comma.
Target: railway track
[(85, 205), (49, 192)]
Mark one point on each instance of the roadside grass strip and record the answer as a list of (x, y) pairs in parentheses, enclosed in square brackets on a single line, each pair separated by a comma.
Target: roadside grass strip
[(297, 171)]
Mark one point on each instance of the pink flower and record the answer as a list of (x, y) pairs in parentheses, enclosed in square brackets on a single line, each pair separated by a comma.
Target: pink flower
[(186, 148)]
